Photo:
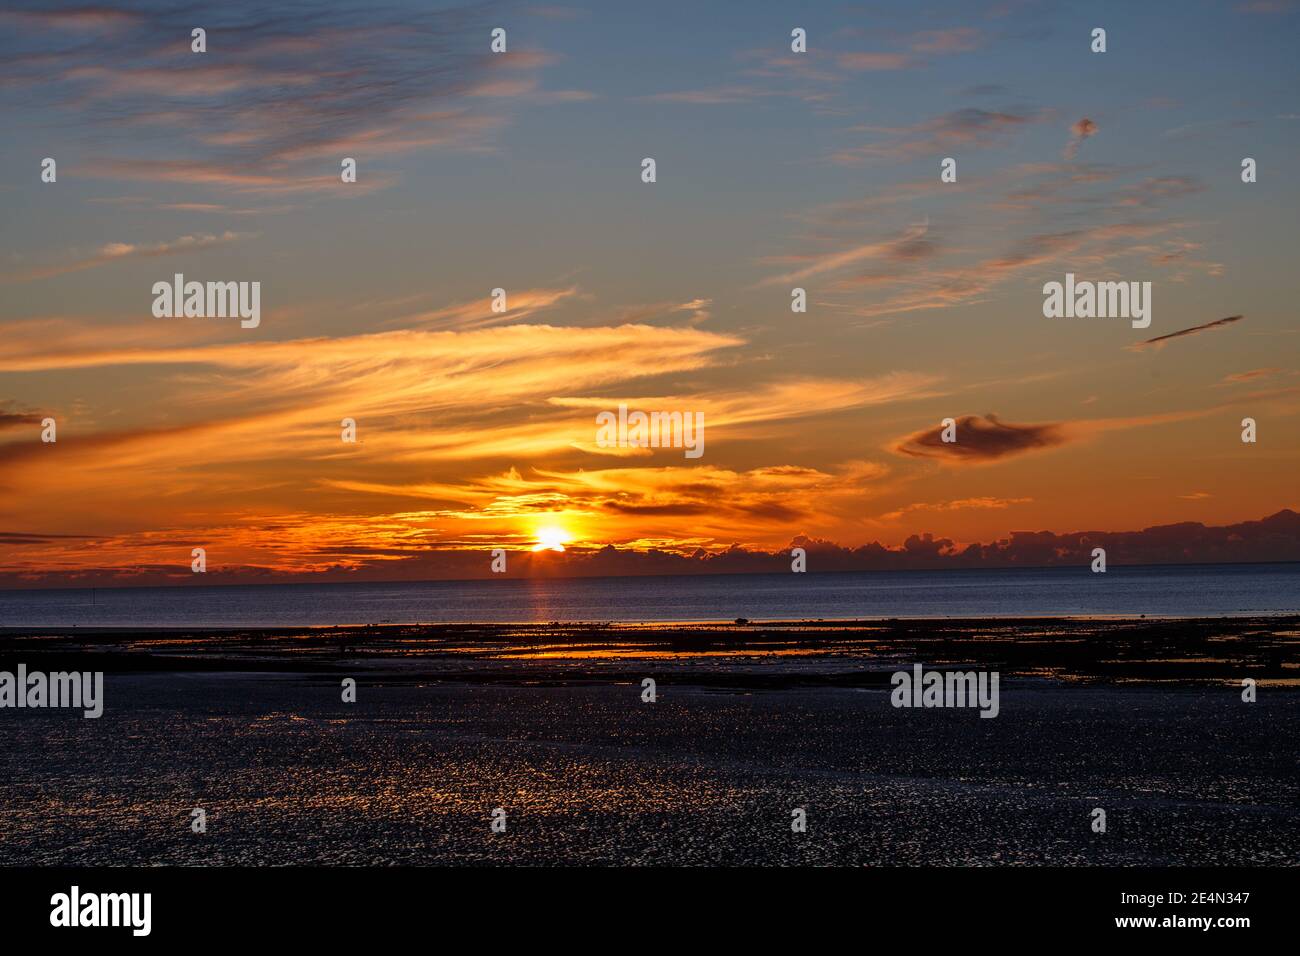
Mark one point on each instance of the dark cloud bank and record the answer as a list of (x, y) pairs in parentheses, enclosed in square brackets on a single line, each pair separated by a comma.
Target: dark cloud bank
[(1275, 538)]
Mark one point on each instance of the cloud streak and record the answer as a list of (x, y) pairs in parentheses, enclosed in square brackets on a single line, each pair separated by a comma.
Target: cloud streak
[(280, 90), (969, 128), (1160, 341), (120, 251)]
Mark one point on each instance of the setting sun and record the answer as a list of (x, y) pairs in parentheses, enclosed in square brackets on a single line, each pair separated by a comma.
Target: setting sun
[(551, 538)]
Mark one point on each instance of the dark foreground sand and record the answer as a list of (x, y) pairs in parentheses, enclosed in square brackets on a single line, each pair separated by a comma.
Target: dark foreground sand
[(1144, 719)]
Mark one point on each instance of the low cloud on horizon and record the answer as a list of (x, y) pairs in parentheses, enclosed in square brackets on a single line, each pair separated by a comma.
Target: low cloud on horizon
[(1274, 538)]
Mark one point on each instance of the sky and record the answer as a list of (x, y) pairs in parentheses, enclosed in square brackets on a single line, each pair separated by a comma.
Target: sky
[(522, 171)]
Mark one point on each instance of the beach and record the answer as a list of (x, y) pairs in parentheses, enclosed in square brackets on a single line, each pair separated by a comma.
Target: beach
[(1144, 719)]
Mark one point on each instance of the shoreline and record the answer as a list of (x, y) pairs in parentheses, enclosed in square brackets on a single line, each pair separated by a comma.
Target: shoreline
[(19, 630), (858, 653)]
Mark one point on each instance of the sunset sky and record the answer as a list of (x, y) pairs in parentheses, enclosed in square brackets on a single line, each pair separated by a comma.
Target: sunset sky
[(523, 171)]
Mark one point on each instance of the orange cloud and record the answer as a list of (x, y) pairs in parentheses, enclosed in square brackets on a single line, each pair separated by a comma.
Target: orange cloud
[(961, 504)]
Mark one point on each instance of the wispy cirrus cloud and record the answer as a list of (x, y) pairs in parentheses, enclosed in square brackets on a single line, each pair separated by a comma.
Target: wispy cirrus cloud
[(1265, 6), (971, 127), (727, 95), (881, 275), (914, 49), (423, 397), (527, 89), (71, 18), (950, 40), (522, 305), (874, 61), (1238, 378), (819, 79), (987, 503), (1155, 190), (898, 285), (118, 251), (786, 400), (279, 90), (698, 308), (900, 246)]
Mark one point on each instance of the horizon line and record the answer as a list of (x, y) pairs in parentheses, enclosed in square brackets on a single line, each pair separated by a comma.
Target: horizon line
[(612, 577)]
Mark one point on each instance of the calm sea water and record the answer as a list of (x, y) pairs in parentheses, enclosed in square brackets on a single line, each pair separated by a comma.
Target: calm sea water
[(1200, 590)]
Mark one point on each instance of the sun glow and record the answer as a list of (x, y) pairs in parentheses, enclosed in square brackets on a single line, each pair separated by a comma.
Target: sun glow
[(551, 538)]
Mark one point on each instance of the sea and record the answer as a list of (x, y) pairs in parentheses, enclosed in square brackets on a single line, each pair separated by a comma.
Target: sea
[(1222, 590)]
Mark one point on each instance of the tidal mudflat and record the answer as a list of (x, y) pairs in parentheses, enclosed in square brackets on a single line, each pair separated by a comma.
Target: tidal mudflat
[(1144, 719)]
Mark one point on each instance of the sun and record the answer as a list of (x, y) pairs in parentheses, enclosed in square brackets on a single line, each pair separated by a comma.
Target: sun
[(551, 538)]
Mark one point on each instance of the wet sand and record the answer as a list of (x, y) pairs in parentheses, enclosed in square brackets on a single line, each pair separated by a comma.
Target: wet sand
[(843, 653), (1143, 719)]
